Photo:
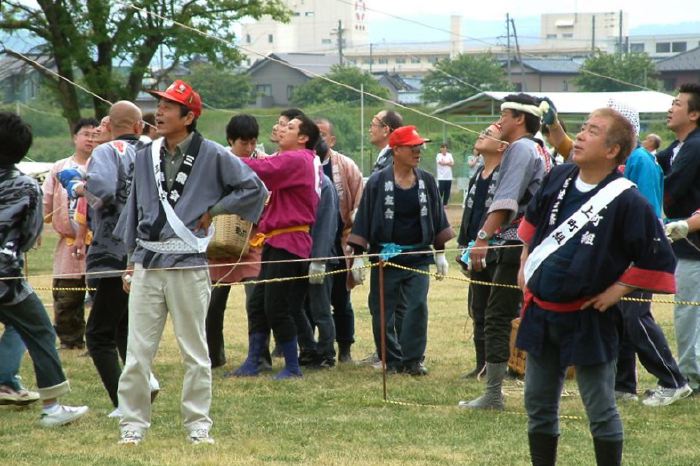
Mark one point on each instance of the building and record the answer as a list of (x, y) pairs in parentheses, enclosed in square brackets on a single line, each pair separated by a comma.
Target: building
[(19, 81), (275, 77), (664, 45), (544, 74), (313, 28), (602, 31), (682, 68)]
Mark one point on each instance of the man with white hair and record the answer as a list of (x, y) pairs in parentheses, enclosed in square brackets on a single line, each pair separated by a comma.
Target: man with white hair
[(641, 334)]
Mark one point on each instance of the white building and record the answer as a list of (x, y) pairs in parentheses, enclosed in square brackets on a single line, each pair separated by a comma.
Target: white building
[(591, 30), (313, 28)]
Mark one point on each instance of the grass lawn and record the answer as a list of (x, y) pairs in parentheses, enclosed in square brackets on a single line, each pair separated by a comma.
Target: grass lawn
[(337, 416)]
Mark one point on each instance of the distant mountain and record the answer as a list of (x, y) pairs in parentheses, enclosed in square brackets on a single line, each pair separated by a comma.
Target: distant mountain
[(661, 29), (392, 30)]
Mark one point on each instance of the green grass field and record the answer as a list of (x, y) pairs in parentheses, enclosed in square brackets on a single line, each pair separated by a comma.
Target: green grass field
[(337, 416)]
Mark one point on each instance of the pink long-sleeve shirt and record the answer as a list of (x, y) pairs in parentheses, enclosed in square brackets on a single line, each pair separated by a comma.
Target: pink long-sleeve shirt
[(294, 179)]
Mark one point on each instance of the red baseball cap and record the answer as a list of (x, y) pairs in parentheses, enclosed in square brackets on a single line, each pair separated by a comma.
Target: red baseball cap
[(182, 93), (406, 136)]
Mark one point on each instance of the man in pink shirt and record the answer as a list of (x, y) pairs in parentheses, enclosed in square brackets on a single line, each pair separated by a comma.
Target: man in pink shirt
[(293, 177)]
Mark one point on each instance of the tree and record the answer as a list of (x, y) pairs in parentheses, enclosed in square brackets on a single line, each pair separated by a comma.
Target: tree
[(89, 37), (456, 79), (319, 90), (219, 87), (635, 68)]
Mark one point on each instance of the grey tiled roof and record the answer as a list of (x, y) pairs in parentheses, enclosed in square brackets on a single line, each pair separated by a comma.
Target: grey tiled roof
[(686, 61)]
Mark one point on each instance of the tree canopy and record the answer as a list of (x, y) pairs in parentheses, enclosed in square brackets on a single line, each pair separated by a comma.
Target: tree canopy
[(456, 79), (319, 90), (220, 87), (635, 68), (91, 38)]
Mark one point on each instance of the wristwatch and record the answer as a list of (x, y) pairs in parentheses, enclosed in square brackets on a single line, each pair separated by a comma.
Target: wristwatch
[(482, 235)]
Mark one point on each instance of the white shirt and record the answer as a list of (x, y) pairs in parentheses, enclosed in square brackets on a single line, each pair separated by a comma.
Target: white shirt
[(444, 172)]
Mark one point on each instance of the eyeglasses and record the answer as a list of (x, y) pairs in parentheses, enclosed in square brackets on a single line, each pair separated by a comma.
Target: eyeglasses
[(415, 149)]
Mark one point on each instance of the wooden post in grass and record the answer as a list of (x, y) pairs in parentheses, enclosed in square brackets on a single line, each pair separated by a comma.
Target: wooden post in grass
[(382, 326)]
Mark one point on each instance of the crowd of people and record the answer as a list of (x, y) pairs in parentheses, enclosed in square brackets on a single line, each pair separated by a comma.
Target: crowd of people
[(572, 231)]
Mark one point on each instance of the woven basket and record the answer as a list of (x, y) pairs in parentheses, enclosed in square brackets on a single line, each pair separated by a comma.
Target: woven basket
[(518, 358), (230, 239)]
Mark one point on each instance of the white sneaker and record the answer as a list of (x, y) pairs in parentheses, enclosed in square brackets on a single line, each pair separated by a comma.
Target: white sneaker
[(154, 386), (200, 436), (663, 396), (130, 437), (117, 413), (63, 415)]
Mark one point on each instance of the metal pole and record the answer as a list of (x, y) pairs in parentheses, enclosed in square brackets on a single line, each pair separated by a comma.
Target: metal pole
[(382, 338), (510, 80), (593, 35), (362, 128)]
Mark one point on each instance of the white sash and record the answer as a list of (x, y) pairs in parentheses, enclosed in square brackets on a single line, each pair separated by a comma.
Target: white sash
[(569, 227), (190, 243)]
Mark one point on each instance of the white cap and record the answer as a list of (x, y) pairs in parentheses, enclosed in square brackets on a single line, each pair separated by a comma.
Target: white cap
[(627, 111)]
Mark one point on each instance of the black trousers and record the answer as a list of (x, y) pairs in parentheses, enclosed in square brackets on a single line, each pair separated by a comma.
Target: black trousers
[(106, 332), (275, 305), (502, 305), (445, 186), (641, 335), (343, 313)]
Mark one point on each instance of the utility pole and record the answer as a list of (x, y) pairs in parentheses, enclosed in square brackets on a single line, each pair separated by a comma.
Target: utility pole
[(371, 58), (593, 35), (510, 80), (339, 32), (520, 58), (620, 35)]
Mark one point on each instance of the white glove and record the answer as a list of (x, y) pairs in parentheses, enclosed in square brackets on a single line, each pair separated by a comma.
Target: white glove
[(676, 230), (441, 265), (317, 268), (358, 270)]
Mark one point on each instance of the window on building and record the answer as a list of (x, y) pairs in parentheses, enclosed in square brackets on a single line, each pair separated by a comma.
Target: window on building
[(567, 35), (309, 14), (669, 84), (290, 91), (679, 47), (415, 60), (326, 41), (551, 36), (368, 61), (400, 60), (270, 39), (663, 47), (637, 48), (383, 60), (247, 38), (263, 89), (433, 59)]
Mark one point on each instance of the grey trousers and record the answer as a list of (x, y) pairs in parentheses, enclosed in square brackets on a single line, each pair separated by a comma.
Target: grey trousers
[(544, 380), (686, 320)]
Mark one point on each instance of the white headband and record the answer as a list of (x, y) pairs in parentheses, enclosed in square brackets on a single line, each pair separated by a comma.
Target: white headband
[(538, 111)]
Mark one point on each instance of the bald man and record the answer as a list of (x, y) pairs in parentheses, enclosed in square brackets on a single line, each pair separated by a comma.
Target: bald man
[(106, 189)]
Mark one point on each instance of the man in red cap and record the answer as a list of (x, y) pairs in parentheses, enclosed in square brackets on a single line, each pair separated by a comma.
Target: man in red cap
[(180, 182), (401, 211)]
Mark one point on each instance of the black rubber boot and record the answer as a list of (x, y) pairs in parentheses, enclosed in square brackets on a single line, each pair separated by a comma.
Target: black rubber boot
[(607, 453), (543, 449), (344, 352)]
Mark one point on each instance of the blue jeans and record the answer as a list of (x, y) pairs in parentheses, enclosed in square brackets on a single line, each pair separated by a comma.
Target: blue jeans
[(11, 351), (32, 323), (686, 319), (544, 380)]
